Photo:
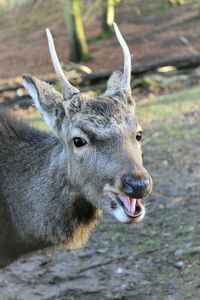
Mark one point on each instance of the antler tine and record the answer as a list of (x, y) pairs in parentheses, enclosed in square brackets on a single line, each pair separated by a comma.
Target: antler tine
[(126, 80), (66, 85)]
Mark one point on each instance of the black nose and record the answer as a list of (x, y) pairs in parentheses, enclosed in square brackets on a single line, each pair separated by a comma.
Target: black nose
[(136, 188)]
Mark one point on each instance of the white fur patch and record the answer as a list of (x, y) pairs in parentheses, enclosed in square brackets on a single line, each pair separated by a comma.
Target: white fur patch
[(49, 120), (32, 92), (120, 215)]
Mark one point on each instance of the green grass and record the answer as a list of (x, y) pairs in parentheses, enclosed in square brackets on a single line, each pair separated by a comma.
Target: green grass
[(169, 120), (168, 106)]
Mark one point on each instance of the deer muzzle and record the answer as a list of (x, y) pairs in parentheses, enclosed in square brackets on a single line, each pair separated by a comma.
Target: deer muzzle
[(127, 202), (136, 187)]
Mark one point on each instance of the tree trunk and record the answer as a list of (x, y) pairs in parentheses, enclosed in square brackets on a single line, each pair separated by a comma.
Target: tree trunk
[(77, 40), (108, 14)]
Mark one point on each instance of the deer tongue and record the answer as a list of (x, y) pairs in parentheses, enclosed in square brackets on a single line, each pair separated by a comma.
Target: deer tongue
[(129, 204)]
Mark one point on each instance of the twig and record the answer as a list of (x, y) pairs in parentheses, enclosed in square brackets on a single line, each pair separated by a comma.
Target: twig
[(107, 262)]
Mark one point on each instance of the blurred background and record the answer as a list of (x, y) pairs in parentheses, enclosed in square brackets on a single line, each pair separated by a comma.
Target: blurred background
[(160, 258)]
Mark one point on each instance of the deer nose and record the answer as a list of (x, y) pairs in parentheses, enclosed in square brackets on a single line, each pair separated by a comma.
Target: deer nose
[(135, 187)]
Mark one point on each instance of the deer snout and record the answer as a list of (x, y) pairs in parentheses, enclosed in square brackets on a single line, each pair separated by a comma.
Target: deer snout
[(136, 187)]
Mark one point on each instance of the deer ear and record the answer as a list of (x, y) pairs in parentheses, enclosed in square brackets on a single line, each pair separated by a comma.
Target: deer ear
[(47, 100), (114, 89)]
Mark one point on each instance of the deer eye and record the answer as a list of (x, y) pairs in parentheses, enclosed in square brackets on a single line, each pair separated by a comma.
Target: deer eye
[(79, 142), (139, 136)]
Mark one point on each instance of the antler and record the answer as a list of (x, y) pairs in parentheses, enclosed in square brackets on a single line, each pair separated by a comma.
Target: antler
[(126, 79), (67, 88)]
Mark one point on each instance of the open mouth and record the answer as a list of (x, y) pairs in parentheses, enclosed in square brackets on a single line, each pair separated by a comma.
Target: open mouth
[(132, 207)]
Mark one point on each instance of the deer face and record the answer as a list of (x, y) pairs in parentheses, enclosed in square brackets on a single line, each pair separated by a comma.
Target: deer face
[(101, 138), (104, 146)]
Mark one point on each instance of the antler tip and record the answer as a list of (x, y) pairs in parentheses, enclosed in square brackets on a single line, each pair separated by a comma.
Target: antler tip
[(48, 33), (60, 74), (127, 59)]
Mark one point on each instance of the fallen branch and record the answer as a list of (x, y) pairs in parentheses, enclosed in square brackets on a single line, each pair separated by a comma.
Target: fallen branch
[(102, 263), (180, 62)]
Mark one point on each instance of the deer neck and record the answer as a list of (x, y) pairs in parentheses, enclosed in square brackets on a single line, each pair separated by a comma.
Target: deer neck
[(63, 217)]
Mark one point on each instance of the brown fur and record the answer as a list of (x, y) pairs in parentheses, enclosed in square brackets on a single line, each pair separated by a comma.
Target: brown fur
[(81, 234)]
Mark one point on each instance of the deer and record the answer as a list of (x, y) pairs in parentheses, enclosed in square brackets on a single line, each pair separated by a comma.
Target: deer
[(54, 186)]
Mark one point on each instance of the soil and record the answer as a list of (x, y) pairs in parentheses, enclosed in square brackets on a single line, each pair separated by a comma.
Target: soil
[(160, 258), (150, 31)]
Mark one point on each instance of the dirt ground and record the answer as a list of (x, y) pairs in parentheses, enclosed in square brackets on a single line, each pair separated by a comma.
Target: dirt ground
[(157, 260), (150, 31)]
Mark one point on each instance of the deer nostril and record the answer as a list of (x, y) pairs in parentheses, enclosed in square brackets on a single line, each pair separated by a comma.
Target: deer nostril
[(136, 188), (136, 182), (128, 188)]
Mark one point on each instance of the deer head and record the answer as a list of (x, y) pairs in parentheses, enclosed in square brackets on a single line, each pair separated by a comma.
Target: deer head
[(101, 139)]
